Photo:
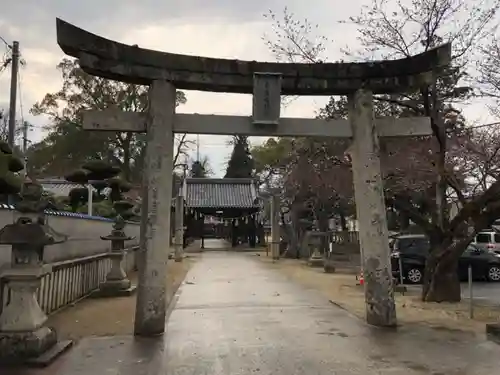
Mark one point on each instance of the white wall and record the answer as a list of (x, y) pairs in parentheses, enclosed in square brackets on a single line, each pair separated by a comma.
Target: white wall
[(84, 236)]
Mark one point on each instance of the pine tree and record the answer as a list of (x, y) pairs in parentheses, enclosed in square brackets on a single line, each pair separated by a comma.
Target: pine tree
[(197, 170), (200, 168), (241, 164)]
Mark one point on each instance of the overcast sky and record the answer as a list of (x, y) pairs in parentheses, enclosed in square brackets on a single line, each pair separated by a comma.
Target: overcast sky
[(216, 28)]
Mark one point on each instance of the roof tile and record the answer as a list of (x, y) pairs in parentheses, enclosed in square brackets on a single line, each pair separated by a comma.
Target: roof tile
[(220, 193)]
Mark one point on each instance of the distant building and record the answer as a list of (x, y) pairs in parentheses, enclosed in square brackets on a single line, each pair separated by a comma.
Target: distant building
[(59, 186)]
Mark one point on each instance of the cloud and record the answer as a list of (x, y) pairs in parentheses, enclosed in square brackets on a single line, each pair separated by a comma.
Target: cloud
[(219, 28), (225, 29)]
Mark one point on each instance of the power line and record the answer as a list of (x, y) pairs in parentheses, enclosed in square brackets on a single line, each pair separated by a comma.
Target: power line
[(483, 125), (5, 42), (6, 60)]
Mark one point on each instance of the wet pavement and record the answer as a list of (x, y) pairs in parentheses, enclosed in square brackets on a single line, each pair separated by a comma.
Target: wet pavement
[(483, 292), (235, 315)]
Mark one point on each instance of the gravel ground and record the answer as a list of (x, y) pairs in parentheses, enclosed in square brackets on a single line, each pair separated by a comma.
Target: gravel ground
[(108, 316), (341, 289)]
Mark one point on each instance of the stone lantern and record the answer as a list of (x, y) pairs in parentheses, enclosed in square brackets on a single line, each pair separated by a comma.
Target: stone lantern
[(23, 334), (101, 175), (117, 283)]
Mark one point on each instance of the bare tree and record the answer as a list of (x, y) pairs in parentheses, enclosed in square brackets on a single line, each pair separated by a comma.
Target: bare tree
[(67, 145), (200, 168), (489, 74), (4, 127), (391, 29)]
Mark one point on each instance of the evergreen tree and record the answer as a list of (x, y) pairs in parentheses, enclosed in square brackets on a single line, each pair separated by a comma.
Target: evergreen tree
[(241, 164), (200, 168), (197, 170)]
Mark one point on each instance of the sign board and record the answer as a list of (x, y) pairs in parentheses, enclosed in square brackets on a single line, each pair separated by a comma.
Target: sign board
[(266, 98)]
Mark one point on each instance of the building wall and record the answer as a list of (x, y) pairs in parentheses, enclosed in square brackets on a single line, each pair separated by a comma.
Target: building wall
[(84, 235)]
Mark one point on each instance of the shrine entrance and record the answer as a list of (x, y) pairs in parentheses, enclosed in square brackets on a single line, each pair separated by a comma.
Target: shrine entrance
[(166, 72), (221, 208)]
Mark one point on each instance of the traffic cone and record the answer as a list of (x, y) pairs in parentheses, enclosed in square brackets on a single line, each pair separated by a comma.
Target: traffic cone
[(361, 279)]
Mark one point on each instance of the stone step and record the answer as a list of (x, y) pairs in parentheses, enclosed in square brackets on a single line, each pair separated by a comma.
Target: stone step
[(50, 355), (493, 332)]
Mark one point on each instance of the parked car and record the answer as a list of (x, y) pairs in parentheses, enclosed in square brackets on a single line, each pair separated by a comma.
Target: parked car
[(485, 263), (412, 250), (489, 239)]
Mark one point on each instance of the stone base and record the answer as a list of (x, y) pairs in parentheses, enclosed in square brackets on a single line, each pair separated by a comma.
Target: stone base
[(329, 266), (38, 348), (315, 262), (493, 332), (111, 288), (400, 288), (50, 355)]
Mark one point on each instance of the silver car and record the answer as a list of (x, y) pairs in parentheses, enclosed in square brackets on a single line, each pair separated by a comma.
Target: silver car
[(488, 240)]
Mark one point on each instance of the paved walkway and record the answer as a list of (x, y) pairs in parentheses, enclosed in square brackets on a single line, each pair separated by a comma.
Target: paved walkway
[(236, 316)]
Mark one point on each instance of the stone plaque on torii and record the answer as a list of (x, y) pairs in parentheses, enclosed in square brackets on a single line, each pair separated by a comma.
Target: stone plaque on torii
[(166, 72)]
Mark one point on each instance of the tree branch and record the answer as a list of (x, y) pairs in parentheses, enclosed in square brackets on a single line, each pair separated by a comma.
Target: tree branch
[(402, 204), (475, 206)]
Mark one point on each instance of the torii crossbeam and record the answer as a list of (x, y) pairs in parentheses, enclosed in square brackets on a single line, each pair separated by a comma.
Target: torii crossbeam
[(164, 72)]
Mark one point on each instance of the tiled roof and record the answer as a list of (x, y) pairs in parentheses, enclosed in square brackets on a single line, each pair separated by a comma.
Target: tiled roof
[(58, 187), (220, 193), (62, 213), (61, 188)]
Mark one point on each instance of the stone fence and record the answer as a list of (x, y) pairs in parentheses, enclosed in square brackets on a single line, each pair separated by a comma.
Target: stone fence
[(83, 231), (79, 265), (73, 279), (345, 238)]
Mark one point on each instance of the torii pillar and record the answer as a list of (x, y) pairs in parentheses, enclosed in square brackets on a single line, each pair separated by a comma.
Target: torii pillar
[(151, 304), (267, 82), (371, 211)]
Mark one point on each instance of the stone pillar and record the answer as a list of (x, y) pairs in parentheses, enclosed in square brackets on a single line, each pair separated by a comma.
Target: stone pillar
[(117, 283), (116, 275), (179, 228), (23, 334), (252, 224), (275, 227), (234, 234), (371, 213), (201, 226), (152, 301), (313, 240), (24, 337)]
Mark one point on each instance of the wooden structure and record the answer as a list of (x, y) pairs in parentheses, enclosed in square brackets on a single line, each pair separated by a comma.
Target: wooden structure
[(233, 200)]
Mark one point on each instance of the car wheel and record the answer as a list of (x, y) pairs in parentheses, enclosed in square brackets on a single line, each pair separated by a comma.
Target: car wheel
[(493, 273), (414, 276)]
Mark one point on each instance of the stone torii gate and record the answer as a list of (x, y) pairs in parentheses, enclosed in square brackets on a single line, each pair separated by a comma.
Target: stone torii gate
[(166, 72)]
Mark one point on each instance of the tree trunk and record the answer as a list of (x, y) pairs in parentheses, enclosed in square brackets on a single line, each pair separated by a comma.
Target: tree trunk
[(343, 221), (441, 281), (404, 221), (323, 227), (293, 237), (392, 219), (126, 157)]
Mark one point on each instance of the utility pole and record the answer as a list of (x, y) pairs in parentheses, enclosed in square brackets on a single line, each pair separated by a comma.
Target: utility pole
[(25, 147), (197, 147), (13, 93), (25, 137)]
